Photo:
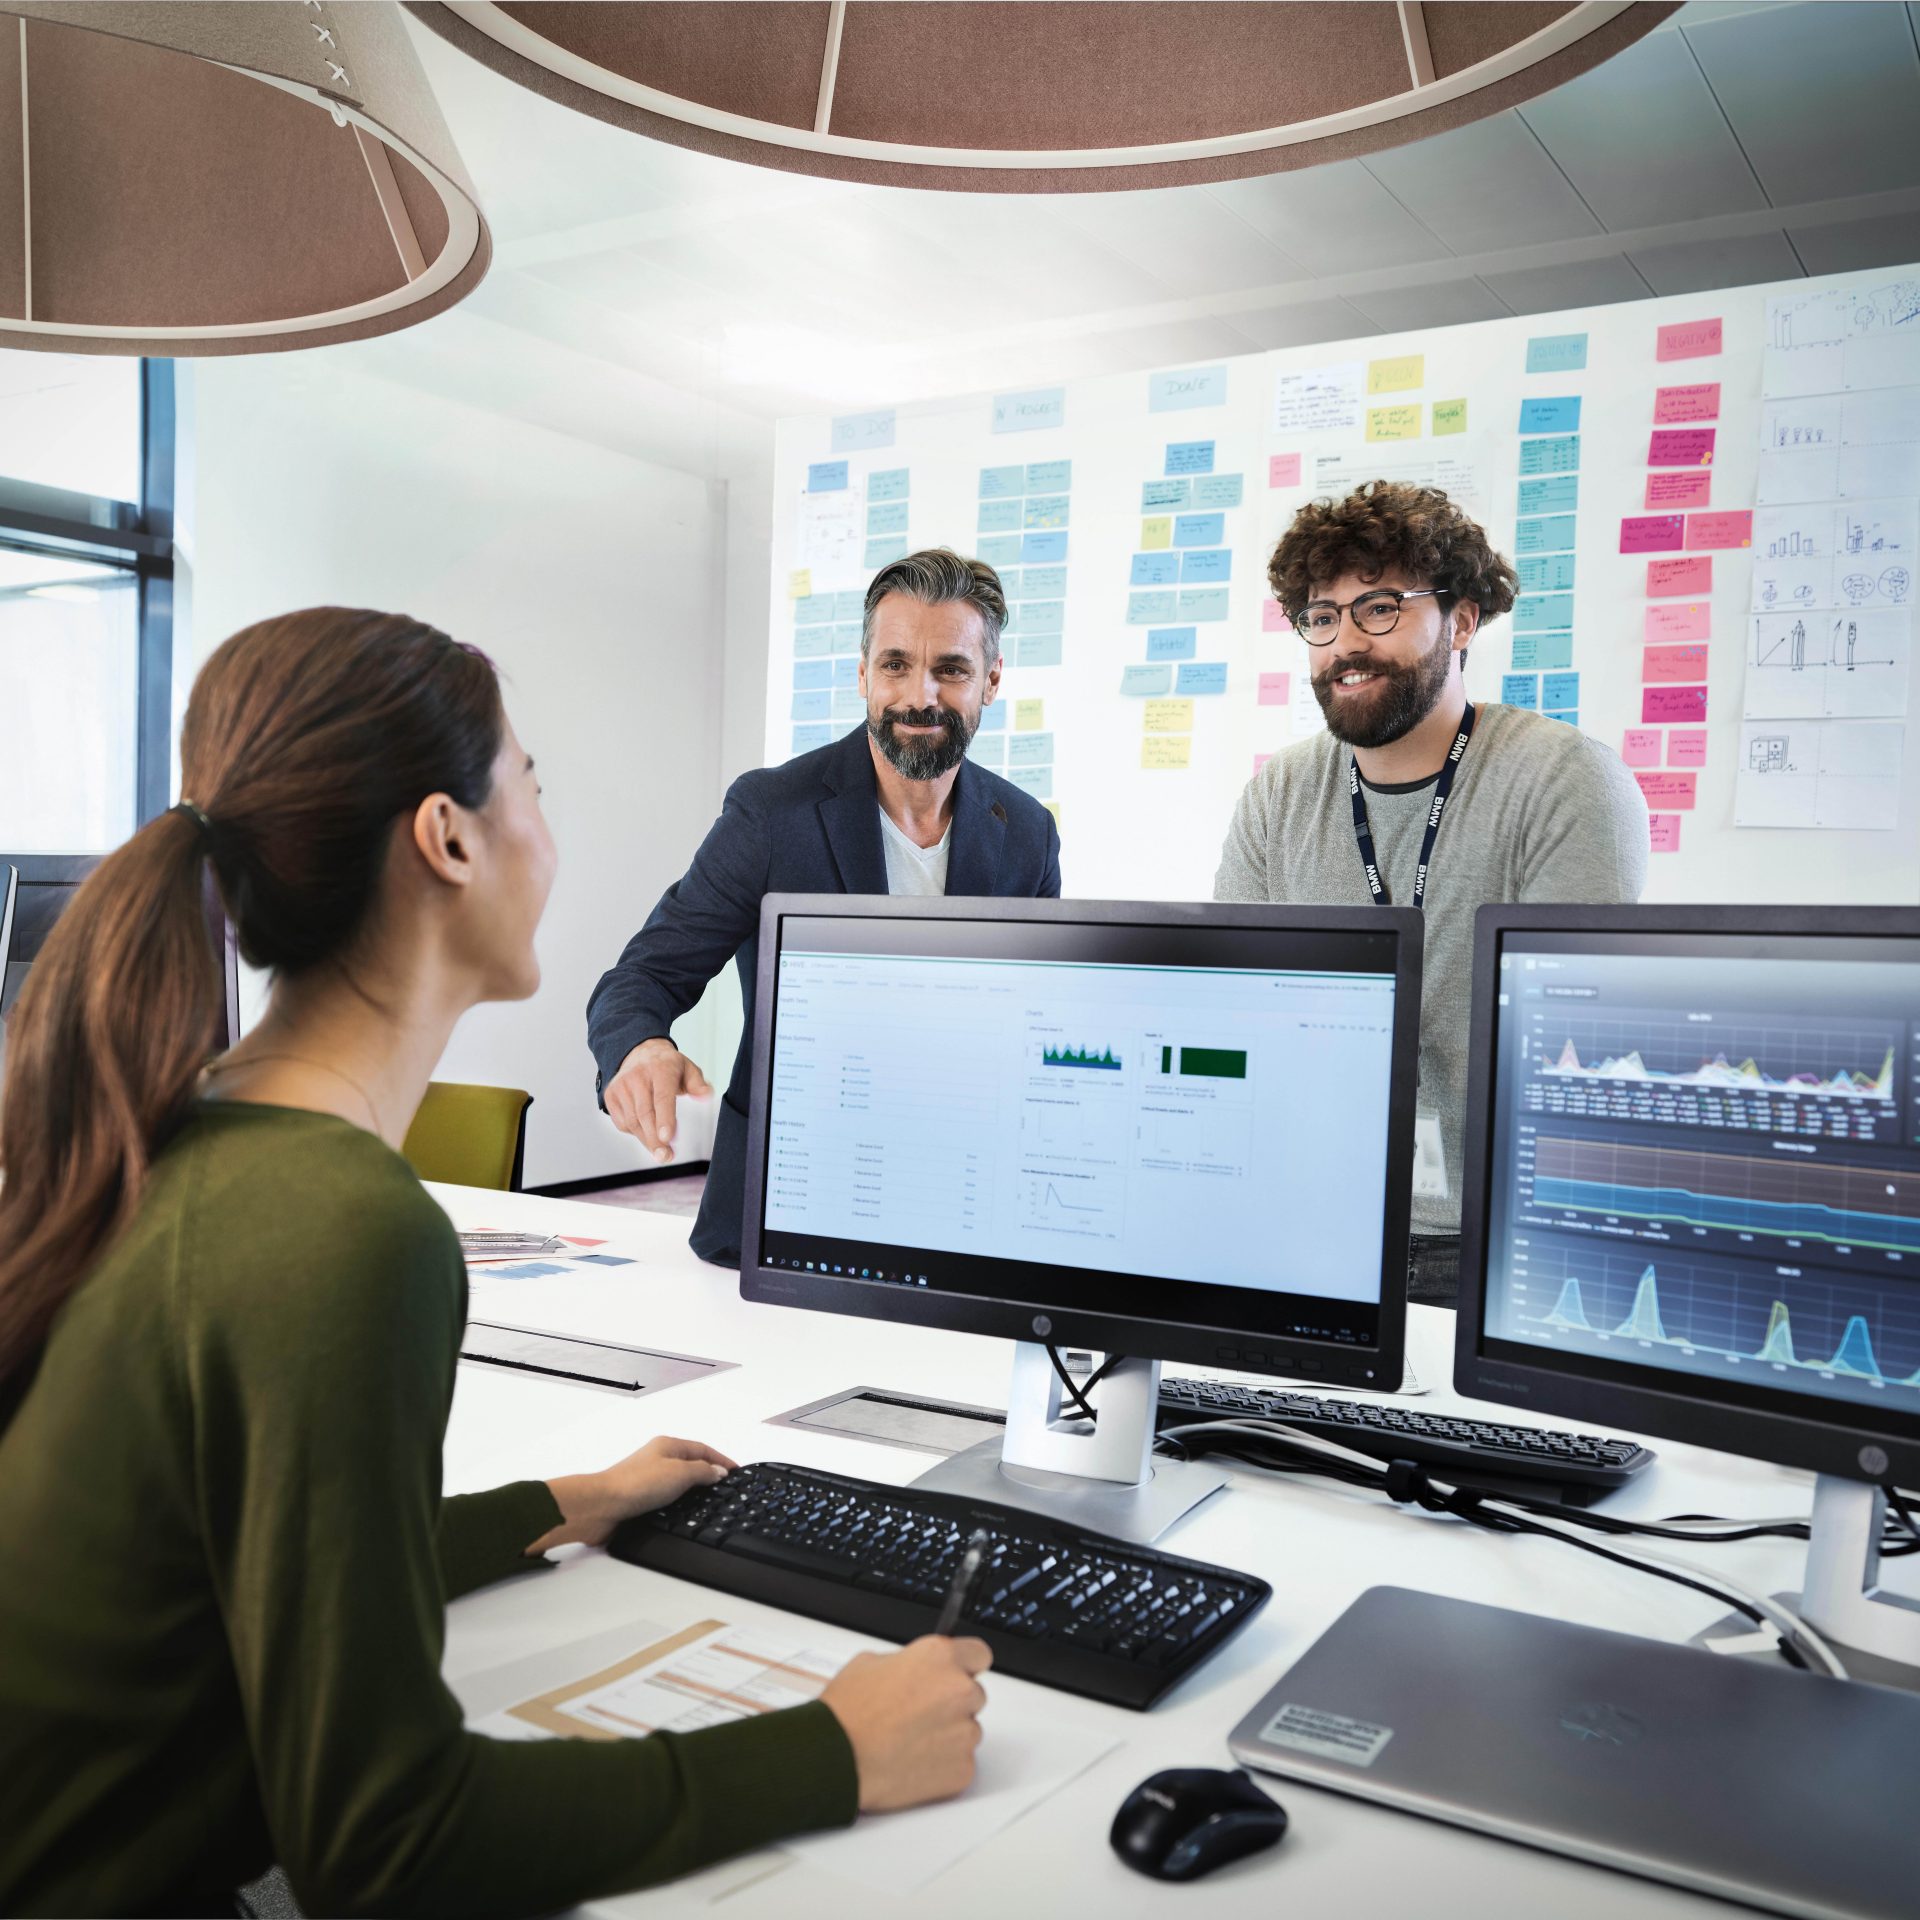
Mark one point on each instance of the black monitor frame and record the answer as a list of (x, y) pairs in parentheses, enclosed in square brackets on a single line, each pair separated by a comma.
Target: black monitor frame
[(1193, 1341), (1827, 1441)]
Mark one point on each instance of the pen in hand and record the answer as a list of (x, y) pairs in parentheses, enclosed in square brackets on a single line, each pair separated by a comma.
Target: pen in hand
[(965, 1577)]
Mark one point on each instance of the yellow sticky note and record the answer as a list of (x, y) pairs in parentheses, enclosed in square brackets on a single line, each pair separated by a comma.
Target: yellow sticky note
[(1029, 716), (1399, 373), (1393, 423), (799, 583), (1169, 716), (1166, 750), (1156, 533), (1053, 807), (1449, 416)]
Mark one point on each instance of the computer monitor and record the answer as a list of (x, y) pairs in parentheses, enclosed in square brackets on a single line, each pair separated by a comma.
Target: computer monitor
[(9, 885), (1692, 1199), (1170, 1132)]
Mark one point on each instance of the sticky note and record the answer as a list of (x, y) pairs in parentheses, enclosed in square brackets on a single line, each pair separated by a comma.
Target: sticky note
[(1146, 683), (1276, 689), (1164, 493), (1189, 456), (1157, 532), (1558, 494), (1449, 416), (1554, 453), (1557, 353), (1031, 412), (849, 603), (800, 583), (1553, 535), (808, 674), (1542, 612), (1400, 373), (827, 476), (1559, 691), (1664, 829), (1394, 423), (1169, 716), (1652, 534), (1161, 751), (1000, 549), (1680, 576), (1672, 406), (893, 484), (1037, 781), (1687, 340), (883, 552), (1670, 791), (1039, 616), (813, 610), (1663, 706), (1640, 747), (888, 516), (1049, 476), (811, 642), (848, 704), (1203, 603), (1199, 529), (1187, 387), (1207, 563), (1037, 650), (1155, 569), (1567, 716), (1534, 651), (812, 706), (1002, 483), (1558, 414), (1042, 583), (1520, 689), (1218, 489), (1684, 620), (1715, 530), (1045, 510), (1260, 760), (1173, 643), (1283, 470), (1039, 548), (1273, 617), (805, 740), (1687, 747), (1682, 489), (1546, 573), (846, 673), (1029, 716), (994, 719), (1673, 666), (1680, 447), (1201, 676), (999, 516), (1030, 750), (863, 432), (1152, 609)]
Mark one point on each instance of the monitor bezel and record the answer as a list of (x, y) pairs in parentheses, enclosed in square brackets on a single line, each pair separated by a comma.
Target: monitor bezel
[(1821, 1442), (1129, 1333)]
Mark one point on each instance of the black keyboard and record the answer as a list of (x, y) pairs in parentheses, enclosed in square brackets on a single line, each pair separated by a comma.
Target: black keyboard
[(1476, 1450), (1067, 1608)]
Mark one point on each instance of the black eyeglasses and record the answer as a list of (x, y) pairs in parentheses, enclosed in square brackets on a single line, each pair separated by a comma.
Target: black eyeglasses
[(1375, 612)]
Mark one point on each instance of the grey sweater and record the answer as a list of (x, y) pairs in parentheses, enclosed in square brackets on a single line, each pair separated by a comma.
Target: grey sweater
[(1540, 811)]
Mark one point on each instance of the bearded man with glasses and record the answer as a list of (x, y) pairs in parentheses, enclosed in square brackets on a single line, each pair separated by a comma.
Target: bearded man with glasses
[(1416, 796)]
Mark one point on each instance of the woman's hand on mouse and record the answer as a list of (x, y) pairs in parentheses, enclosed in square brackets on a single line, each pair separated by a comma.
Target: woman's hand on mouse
[(593, 1504), (912, 1719)]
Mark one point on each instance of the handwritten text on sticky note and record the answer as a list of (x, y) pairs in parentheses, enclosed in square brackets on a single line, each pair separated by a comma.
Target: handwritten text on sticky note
[(1640, 747), (1687, 340)]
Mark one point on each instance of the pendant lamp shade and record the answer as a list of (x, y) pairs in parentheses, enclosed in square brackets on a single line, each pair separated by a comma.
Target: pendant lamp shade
[(180, 179), (1041, 96)]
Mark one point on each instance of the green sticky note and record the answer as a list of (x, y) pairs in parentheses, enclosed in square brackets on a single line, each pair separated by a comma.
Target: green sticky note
[(1449, 416)]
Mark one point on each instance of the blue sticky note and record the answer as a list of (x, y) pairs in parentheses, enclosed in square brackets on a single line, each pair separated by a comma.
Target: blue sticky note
[(1146, 683), (1010, 579), (888, 516), (1203, 603), (1199, 529), (1201, 676), (884, 551), (847, 704), (1037, 650), (1036, 549), (1043, 583), (1544, 536), (808, 674), (1218, 489), (814, 643), (806, 739), (1156, 569), (891, 485), (999, 549), (1046, 510), (863, 432), (846, 671), (1189, 456), (1042, 616), (1559, 692), (1535, 651), (813, 610), (827, 476), (1207, 563), (1546, 573), (1187, 387), (1150, 609), (1002, 483), (1561, 494), (1559, 453), (1030, 750), (1542, 612), (1157, 495), (990, 750), (1520, 689), (994, 718), (1558, 415), (1000, 516), (1557, 353), (1030, 412), (1571, 719), (847, 639), (1173, 643), (1037, 781), (1049, 476), (849, 604), (811, 706)]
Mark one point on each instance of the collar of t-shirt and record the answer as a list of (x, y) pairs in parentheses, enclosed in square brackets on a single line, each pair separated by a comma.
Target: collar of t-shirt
[(930, 863)]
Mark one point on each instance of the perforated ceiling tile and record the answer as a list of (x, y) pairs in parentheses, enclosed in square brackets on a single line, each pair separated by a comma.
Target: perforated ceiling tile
[(1488, 185), (1335, 219), (1580, 283), (1742, 261)]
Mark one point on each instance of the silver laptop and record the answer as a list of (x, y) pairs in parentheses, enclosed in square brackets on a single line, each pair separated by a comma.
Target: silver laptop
[(1789, 1790)]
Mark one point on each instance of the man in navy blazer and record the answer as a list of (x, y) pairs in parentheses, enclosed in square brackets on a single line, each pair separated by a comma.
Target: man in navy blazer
[(895, 807)]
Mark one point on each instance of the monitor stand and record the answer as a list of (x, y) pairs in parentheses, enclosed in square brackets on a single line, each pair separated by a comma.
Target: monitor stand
[(1100, 1475)]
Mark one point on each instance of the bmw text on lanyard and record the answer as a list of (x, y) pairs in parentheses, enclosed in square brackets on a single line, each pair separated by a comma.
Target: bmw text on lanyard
[(1363, 833)]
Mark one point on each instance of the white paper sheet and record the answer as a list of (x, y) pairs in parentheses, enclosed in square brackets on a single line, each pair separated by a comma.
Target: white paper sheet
[(1823, 774), (1854, 663)]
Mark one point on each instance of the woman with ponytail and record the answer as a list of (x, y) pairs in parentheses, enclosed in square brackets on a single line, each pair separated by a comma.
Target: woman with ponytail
[(229, 1318)]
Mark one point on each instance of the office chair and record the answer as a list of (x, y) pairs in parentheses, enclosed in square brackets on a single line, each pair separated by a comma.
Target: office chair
[(470, 1136)]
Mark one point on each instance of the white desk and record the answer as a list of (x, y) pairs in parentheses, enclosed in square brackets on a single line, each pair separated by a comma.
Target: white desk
[(1319, 1544)]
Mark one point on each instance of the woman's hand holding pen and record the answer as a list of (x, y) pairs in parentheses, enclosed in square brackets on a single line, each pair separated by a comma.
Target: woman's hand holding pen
[(912, 1719)]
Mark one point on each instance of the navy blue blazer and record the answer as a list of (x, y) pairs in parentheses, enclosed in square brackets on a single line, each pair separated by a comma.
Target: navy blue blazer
[(810, 826)]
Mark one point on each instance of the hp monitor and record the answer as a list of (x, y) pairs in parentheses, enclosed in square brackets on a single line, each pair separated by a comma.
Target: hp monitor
[(1166, 1132), (1692, 1199)]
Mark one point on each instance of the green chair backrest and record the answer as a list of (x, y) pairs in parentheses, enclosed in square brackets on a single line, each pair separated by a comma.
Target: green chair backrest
[(469, 1136)]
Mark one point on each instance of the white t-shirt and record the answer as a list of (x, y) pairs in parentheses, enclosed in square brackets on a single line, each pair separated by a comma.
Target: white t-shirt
[(913, 869)]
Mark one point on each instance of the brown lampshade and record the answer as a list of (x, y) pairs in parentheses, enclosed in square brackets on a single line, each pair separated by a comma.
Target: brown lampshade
[(223, 178), (1041, 96)]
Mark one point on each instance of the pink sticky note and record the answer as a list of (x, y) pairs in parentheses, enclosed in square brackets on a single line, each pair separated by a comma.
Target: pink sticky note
[(1670, 790), (1679, 576), (1680, 447), (1672, 666), (1672, 405), (1719, 530), (1273, 617), (1687, 747), (1682, 489), (1688, 340), (1666, 832), (1283, 470), (1652, 535), (1275, 689), (1691, 620), (1260, 760), (1641, 747), (1661, 706)]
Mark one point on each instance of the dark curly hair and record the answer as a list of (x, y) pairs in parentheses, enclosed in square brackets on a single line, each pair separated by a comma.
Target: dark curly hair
[(1383, 525)]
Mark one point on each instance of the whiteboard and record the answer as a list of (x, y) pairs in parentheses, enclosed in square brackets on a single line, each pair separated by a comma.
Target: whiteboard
[(850, 490)]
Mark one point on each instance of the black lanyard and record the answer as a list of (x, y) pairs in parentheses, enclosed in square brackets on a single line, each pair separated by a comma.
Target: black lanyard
[(1363, 833)]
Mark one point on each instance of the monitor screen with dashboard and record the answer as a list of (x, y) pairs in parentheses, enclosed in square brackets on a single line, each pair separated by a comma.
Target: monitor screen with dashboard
[(1178, 1131)]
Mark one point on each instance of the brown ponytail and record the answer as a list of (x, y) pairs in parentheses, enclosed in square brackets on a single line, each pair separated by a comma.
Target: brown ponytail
[(306, 738)]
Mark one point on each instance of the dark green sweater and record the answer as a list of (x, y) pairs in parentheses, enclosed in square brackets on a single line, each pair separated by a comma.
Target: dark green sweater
[(224, 1562)]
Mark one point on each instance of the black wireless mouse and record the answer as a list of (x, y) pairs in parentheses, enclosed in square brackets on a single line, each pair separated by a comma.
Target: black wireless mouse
[(1189, 1820)]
